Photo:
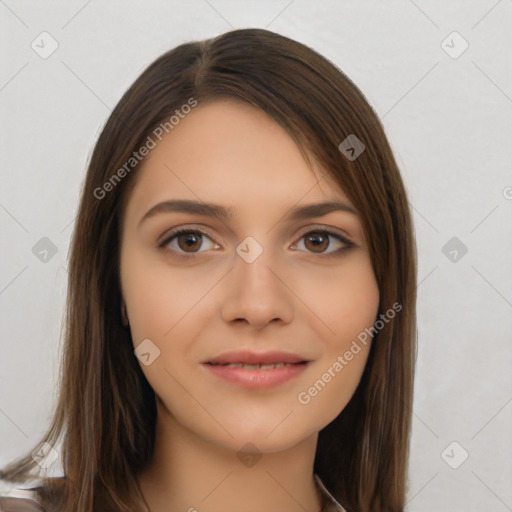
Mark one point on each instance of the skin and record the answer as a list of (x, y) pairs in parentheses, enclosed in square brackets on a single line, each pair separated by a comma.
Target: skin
[(291, 297)]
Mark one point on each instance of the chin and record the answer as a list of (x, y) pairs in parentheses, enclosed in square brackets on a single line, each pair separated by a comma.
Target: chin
[(282, 435)]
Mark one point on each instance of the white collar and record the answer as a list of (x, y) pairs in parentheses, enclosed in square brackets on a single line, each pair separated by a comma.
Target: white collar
[(333, 505)]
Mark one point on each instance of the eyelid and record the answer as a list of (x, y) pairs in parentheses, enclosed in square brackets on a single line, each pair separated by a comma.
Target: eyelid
[(193, 227), (164, 239), (344, 236)]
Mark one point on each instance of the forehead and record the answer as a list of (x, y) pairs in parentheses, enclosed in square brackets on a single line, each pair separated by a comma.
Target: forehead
[(230, 153)]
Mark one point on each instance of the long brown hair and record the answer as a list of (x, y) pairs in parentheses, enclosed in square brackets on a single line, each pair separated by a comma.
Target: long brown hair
[(105, 416)]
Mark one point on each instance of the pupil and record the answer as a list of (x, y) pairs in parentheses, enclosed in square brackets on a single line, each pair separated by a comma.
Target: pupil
[(318, 240), (190, 241)]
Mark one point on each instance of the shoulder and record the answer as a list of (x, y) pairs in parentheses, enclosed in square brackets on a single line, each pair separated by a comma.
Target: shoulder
[(24, 498)]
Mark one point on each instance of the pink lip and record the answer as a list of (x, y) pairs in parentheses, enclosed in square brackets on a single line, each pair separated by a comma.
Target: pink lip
[(257, 379), (248, 357)]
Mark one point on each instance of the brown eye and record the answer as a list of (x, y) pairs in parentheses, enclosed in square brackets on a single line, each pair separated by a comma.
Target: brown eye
[(317, 241), (190, 241), (324, 243), (187, 241)]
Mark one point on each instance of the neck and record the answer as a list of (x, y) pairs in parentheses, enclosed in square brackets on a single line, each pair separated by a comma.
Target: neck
[(189, 473)]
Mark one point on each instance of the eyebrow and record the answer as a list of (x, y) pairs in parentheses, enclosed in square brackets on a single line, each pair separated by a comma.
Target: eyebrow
[(222, 213)]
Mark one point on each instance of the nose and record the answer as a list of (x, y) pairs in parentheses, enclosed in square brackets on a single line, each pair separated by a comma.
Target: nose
[(257, 293)]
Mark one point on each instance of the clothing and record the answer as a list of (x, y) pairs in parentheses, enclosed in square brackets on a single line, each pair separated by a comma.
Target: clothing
[(20, 500), (329, 502), (25, 500)]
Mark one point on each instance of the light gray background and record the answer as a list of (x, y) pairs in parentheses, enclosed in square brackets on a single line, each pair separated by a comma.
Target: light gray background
[(448, 121)]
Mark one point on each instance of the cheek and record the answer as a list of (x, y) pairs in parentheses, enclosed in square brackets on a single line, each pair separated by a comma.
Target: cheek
[(341, 301), (346, 301), (160, 297), (354, 307), (170, 307), (327, 393)]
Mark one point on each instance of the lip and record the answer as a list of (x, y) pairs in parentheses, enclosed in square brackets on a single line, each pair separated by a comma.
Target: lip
[(249, 357), (257, 379)]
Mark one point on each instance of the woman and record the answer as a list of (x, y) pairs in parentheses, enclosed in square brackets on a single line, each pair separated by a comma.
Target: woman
[(240, 328)]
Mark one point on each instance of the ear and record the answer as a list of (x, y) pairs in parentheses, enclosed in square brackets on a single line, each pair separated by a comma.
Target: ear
[(124, 316)]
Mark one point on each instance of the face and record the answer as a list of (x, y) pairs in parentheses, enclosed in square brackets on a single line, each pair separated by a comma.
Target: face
[(258, 280)]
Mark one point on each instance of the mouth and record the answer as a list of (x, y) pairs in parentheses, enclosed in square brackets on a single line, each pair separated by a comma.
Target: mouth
[(247, 357), (260, 366), (257, 371)]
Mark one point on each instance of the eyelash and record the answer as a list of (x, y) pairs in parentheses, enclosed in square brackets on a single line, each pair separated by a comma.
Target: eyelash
[(193, 230)]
